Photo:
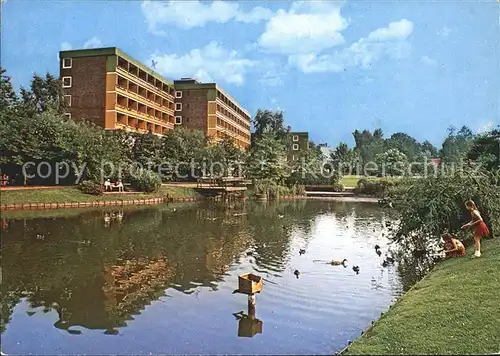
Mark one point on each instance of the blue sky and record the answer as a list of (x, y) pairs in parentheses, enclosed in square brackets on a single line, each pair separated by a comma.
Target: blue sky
[(410, 66)]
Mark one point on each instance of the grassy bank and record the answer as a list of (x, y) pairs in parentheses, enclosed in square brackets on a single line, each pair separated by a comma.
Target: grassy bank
[(350, 181), (73, 195), (453, 310)]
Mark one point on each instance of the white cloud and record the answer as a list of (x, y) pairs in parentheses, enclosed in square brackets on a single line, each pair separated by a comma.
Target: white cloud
[(271, 79), (444, 32), (395, 30), (189, 14), (66, 46), (428, 61), (93, 42), (308, 27), (208, 64), (390, 41)]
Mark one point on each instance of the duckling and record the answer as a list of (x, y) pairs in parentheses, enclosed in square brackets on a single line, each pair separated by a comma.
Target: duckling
[(355, 269), (296, 273), (379, 253), (302, 251), (338, 263)]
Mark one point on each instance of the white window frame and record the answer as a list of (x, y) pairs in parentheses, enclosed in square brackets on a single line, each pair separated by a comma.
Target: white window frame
[(180, 120), (67, 115), (295, 138), (178, 105), (70, 82), (70, 63), (64, 97), (178, 94), (295, 147)]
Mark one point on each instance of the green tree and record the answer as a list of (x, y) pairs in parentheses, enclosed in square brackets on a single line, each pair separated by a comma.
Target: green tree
[(369, 145), (485, 149), (45, 94), (405, 144), (225, 158), (429, 149), (147, 150), (456, 146), (267, 159), (270, 122), (392, 162), (8, 97), (184, 152)]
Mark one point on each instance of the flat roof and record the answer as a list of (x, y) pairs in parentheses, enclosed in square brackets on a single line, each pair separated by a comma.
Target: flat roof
[(191, 83), (299, 133), (111, 51)]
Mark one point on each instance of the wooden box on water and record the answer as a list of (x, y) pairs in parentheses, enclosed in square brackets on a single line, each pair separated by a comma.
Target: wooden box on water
[(249, 283)]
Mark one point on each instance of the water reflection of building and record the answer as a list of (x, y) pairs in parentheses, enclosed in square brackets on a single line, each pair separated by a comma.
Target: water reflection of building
[(131, 285)]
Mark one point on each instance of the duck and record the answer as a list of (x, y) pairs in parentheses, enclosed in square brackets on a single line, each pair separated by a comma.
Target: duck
[(377, 247), (338, 263), (355, 269), (249, 253), (296, 273), (302, 251), (379, 253)]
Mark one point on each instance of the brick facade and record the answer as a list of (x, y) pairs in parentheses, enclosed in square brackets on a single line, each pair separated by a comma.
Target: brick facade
[(298, 144), (206, 107), (194, 111), (88, 88), (114, 91)]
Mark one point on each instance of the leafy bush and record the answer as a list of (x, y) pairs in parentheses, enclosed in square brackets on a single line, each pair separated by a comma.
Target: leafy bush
[(338, 187), (376, 186), (146, 181), (90, 187), (274, 191), (432, 205)]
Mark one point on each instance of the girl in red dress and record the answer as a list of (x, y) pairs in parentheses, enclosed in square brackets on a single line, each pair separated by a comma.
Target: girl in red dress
[(480, 228)]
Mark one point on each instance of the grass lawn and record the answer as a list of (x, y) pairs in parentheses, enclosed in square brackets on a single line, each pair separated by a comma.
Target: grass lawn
[(73, 195), (350, 181), (455, 310)]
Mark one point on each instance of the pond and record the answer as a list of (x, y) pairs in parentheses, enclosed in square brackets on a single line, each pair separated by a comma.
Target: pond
[(160, 279)]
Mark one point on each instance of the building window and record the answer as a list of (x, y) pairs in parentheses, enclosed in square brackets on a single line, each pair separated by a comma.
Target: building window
[(294, 158), (295, 147), (295, 138), (178, 106), (67, 63), (67, 100), (178, 94), (67, 115), (66, 82), (178, 120)]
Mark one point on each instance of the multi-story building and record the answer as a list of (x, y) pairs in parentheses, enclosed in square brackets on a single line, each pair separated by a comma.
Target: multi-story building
[(206, 107), (298, 144), (114, 91)]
